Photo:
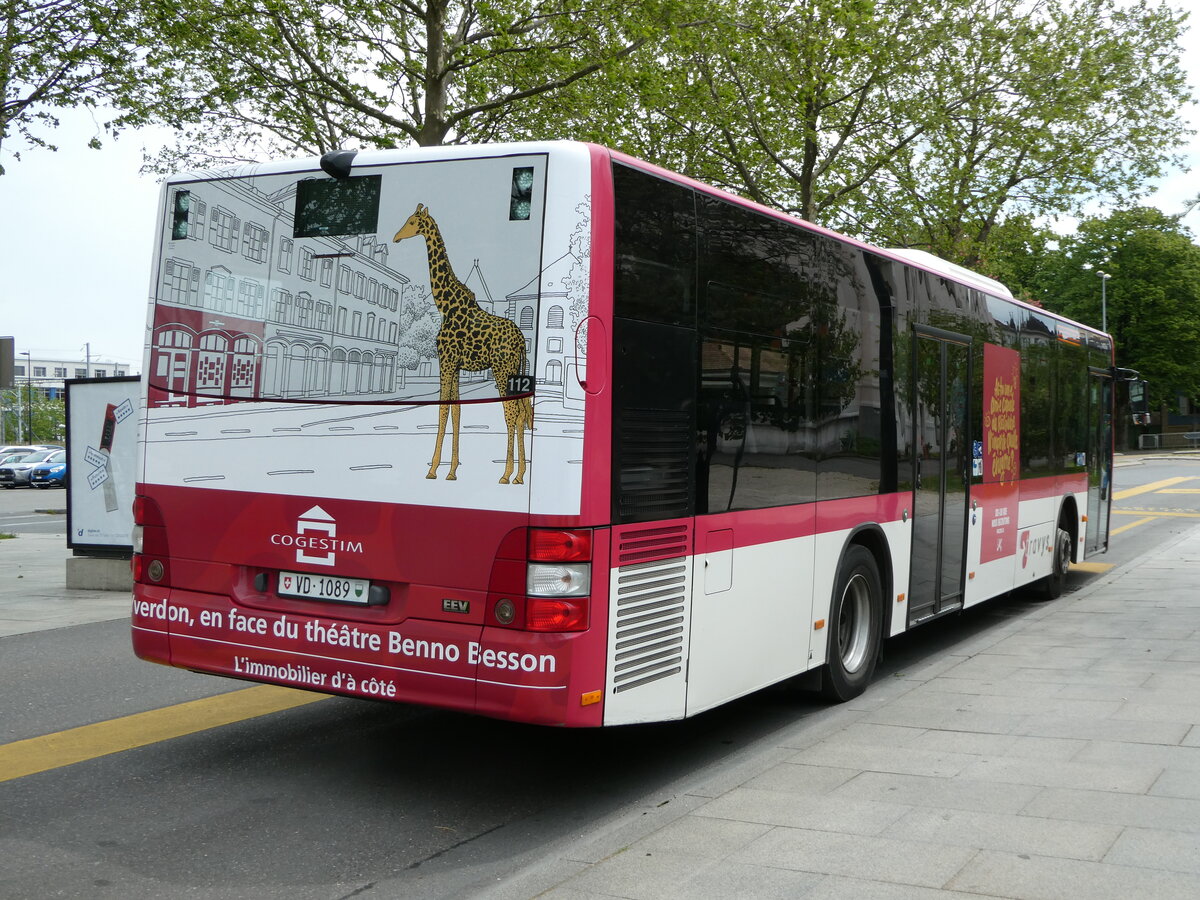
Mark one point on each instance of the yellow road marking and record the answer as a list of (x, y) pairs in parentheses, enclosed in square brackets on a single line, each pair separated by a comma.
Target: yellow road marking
[(65, 748), (1131, 525), (1153, 486), (1156, 513), (1182, 491), (1093, 568)]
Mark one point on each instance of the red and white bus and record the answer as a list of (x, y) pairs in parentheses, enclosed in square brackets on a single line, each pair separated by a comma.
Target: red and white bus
[(542, 432)]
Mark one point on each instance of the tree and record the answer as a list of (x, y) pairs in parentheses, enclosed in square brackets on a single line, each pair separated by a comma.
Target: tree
[(907, 123), (901, 121), (419, 323), (1016, 254), (1153, 296), (1064, 102), (49, 420), (47, 416), (57, 54), (797, 106), (244, 78)]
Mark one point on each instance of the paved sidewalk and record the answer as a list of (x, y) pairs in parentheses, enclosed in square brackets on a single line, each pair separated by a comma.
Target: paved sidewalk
[(1057, 756), (33, 591)]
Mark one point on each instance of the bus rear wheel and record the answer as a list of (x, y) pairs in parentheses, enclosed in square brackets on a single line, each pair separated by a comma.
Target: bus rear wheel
[(855, 624), (1051, 587)]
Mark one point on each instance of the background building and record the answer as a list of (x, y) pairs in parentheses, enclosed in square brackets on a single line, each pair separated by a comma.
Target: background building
[(45, 375), (32, 408)]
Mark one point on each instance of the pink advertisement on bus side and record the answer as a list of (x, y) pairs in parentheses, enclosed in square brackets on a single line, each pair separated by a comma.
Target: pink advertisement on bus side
[(1001, 450)]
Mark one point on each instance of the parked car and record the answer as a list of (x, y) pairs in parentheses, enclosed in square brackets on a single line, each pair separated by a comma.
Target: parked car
[(52, 472), (6, 452), (15, 474)]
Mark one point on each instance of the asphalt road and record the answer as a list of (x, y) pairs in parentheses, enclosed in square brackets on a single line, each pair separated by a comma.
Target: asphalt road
[(344, 798), (1142, 520), (24, 510)]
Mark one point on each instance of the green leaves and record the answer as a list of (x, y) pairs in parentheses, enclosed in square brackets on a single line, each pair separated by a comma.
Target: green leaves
[(1064, 102), (908, 123), (263, 77), (62, 53), (905, 122), (1152, 297)]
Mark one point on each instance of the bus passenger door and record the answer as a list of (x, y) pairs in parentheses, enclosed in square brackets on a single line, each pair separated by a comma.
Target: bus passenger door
[(1099, 459), (941, 471)]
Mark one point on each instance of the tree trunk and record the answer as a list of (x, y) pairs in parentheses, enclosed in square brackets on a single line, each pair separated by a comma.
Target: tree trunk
[(432, 132)]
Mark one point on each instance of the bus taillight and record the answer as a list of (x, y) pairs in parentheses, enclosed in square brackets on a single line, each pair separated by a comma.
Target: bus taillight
[(558, 579), (554, 545), (553, 580), (557, 596), (557, 583), (150, 553), (545, 614), (146, 511)]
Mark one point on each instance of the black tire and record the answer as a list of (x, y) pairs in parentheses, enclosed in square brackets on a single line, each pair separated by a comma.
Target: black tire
[(1051, 587), (855, 626)]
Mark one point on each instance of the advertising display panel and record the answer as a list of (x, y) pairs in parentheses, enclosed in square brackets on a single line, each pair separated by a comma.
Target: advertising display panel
[(101, 462)]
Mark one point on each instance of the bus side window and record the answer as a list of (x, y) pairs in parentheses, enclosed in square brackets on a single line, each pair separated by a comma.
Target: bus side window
[(755, 436), (1038, 352), (654, 341), (655, 246)]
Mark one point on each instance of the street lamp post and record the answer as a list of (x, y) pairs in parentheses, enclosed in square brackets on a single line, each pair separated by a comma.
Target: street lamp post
[(1104, 276), (28, 394)]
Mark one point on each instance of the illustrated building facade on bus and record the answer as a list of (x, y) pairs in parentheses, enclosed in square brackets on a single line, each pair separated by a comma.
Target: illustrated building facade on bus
[(246, 311)]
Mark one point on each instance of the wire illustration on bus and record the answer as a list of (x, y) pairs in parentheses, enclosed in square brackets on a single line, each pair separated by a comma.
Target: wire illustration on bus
[(263, 329)]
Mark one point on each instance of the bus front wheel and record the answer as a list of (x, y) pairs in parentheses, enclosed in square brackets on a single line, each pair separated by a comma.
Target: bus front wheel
[(855, 624)]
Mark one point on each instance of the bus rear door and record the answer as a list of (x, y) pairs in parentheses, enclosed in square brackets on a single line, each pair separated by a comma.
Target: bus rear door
[(941, 477)]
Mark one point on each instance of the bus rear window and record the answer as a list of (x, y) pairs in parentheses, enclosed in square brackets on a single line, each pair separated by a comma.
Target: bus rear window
[(329, 206)]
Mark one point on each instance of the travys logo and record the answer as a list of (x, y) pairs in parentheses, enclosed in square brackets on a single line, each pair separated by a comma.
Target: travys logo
[(1032, 546), (316, 539)]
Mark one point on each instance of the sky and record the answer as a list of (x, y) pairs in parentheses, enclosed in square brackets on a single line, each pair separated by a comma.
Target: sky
[(76, 238), (77, 232)]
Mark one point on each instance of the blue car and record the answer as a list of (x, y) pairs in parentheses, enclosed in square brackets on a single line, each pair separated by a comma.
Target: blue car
[(50, 473)]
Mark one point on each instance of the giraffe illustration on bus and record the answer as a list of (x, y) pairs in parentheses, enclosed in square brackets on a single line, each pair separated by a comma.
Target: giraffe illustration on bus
[(471, 340)]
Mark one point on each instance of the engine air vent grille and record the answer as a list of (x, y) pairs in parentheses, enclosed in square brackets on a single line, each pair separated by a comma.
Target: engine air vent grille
[(652, 543), (651, 618)]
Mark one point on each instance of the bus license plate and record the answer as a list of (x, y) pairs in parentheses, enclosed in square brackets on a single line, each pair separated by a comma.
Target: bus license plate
[(324, 587)]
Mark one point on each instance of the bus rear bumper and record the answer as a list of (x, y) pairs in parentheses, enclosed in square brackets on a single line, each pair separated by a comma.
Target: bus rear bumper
[(513, 675)]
